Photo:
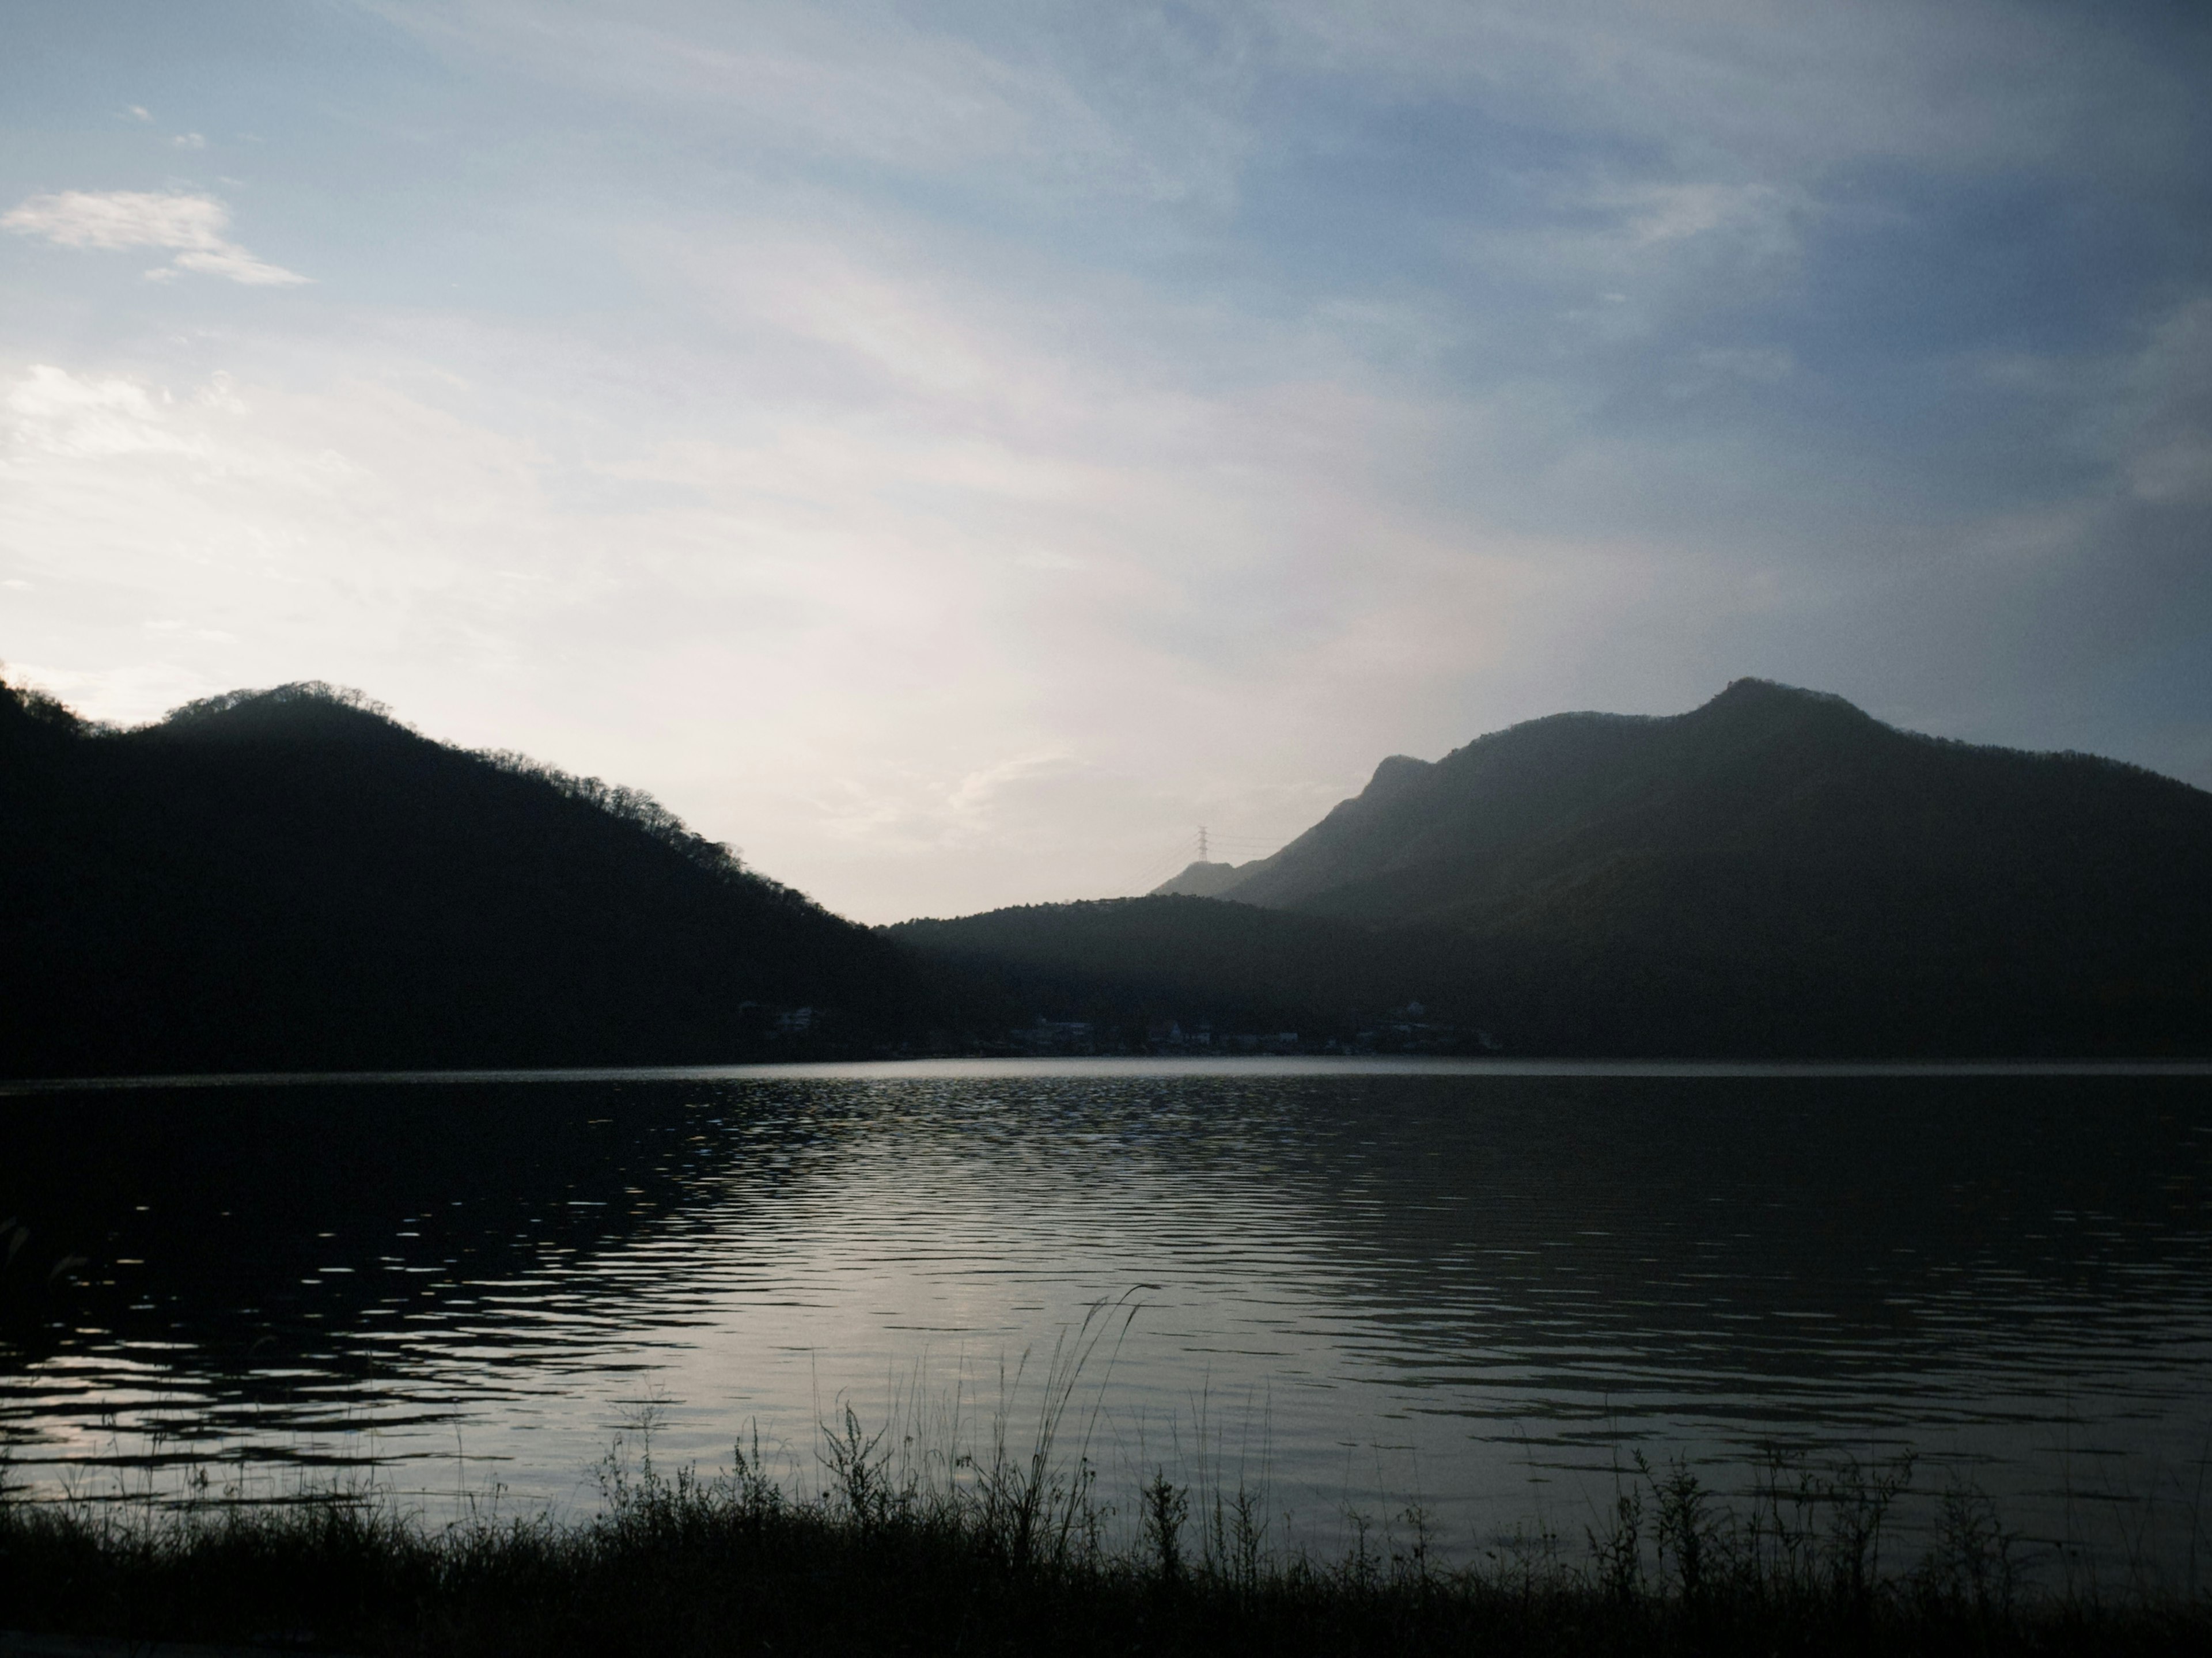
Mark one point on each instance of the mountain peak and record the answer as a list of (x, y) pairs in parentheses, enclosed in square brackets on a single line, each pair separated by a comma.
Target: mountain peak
[(1771, 694), (1781, 872), (1397, 774), (291, 879), (307, 710)]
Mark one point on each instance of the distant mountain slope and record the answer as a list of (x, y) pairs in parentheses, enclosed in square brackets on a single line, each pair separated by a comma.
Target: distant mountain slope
[(1129, 964), (289, 879), (1198, 880), (1777, 871)]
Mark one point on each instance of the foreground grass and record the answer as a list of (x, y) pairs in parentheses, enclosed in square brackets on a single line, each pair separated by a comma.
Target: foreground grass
[(1009, 1559)]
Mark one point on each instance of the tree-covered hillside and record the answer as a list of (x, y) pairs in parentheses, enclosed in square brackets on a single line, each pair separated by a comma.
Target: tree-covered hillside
[(1775, 872), (1132, 966), (290, 878)]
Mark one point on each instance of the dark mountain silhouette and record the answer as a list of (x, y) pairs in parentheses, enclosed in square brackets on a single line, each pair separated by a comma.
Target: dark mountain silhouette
[(1762, 773), (1778, 873), (290, 878), (1130, 965), (1200, 880)]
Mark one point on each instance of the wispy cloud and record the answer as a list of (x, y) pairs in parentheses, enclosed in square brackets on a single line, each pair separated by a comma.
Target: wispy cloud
[(2165, 431), (1004, 109), (115, 219), (58, 413), (955, 451)]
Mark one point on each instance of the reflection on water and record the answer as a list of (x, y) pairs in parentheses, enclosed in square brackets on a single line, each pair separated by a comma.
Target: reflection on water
[(1471, 1288)]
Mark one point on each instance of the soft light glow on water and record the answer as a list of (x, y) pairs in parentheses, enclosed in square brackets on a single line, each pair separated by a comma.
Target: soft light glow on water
[(1476, 1289)]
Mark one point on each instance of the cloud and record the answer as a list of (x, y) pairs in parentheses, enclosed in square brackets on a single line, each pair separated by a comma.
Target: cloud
[(189, 141), (133, 686), (58, 413), (1666, 213), (2167, 434), (121, 219), (1010, 107), (117, 219), (951, 456), (1780, 91), (937, 596)]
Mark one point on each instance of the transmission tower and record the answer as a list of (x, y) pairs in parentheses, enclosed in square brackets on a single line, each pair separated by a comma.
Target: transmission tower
[(1202, 857)]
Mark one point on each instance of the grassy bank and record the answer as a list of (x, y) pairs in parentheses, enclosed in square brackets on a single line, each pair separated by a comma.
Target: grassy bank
[(1012, 1555)]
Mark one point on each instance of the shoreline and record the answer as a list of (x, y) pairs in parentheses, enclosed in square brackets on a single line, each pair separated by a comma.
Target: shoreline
[(1015, 1561), (1167, 1066)]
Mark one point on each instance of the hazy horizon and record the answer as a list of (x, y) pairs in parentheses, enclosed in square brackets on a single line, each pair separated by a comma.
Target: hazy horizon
[(952, 455)]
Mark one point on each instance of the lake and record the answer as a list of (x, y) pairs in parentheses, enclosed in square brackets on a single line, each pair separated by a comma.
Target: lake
[(1479, 1287)]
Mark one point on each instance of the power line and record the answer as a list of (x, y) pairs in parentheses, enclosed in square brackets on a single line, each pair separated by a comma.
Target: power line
[(1159, 869), (1207, 845)]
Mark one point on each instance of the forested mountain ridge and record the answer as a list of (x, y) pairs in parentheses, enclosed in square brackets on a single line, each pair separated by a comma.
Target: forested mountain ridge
[(1762, 770), (291, 878), (1132, 968), (1777, 871)]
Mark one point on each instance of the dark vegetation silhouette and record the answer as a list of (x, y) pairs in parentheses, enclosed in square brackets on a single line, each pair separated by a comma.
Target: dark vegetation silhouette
[(1017, 1559), (291, 878), (1775, 872), (1131, 966)]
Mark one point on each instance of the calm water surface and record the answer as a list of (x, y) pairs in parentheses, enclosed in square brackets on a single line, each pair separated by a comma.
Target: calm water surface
[(1479, 1288)]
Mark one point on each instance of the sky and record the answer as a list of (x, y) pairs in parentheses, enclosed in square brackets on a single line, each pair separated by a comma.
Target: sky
[(951, 453)]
